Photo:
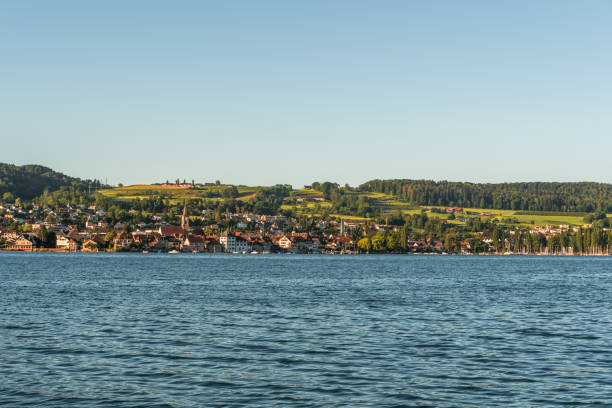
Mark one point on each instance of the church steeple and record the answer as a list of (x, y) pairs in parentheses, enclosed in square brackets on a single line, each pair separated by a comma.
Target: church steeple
[(185, 218)]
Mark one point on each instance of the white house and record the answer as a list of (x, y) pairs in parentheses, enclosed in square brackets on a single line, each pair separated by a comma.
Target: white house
[(231, 243), (66, 243)]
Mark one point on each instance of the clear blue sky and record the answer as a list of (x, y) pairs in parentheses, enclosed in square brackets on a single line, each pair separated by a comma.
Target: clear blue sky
[(264, 92)]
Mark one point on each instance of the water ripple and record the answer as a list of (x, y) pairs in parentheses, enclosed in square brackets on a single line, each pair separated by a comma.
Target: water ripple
[(305, 331)]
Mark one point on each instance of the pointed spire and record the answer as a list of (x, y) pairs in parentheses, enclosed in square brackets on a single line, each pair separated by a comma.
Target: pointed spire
[(185, 218)]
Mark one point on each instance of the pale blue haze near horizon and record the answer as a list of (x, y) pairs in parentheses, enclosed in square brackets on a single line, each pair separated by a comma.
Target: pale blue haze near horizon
[(292, 92)]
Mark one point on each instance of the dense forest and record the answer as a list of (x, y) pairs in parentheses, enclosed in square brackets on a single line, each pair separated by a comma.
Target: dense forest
[(30, 181), (536, 196)]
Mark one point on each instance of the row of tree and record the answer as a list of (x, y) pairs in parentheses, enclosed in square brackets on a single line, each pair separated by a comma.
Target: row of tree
[(584, 241)]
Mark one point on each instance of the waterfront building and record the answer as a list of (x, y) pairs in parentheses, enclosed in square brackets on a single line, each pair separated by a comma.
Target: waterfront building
[(232, 243), (194, 243)]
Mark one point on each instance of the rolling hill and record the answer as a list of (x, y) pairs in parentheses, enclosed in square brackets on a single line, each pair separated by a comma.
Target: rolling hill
[(31, 180)]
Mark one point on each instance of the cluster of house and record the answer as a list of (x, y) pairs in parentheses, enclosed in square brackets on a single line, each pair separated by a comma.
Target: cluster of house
[(549, 230), (98, 235), (37, 214), (454, 210), (174, 238)]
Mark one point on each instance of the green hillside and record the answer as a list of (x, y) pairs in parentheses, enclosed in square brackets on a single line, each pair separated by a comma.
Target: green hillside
[(30, 181), (387, 206), (316, 203)]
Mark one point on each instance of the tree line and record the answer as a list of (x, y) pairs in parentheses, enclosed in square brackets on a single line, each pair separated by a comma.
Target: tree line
[(535, 196), (485, 237)]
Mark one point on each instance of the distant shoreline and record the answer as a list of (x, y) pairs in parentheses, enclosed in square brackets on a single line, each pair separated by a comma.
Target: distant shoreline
[(63, 251)]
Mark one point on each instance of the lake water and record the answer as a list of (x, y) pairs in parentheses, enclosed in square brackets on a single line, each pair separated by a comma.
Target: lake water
[(290, 331)]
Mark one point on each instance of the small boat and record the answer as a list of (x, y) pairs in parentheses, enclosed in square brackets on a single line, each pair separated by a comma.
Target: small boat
[(144, 251), (254, 252), (174, 251)]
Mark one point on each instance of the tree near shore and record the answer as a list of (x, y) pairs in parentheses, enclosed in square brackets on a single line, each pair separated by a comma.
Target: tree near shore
[(47, 238)]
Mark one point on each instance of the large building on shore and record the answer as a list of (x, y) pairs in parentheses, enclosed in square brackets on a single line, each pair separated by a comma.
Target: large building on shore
[(232, 243)]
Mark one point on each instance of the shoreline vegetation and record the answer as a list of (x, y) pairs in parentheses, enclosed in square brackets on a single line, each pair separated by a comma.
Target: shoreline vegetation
[(45, 211)]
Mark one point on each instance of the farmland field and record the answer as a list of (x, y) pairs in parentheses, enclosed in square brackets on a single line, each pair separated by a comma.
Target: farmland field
[(174, 193)]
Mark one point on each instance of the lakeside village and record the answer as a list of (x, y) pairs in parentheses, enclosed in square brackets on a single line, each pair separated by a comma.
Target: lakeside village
[(37, 230)]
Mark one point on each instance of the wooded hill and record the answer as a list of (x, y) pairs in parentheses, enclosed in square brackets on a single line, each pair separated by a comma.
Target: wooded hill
[(31, 180), (535, 196)]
